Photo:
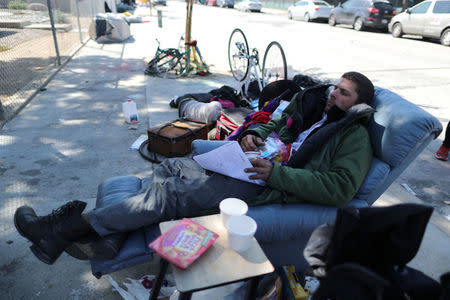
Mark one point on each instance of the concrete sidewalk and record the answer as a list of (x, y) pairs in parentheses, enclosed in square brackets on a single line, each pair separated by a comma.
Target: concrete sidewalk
[(67, 140), (72, 136)]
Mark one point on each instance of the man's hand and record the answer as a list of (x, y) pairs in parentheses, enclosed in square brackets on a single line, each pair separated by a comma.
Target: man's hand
[(251, 142), (262, 168)]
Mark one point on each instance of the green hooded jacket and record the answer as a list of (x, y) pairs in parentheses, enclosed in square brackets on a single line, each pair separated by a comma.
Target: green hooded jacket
[(334, 173)]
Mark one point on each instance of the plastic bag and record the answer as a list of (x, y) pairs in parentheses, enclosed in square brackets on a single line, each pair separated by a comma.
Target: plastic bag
[(142, 288), (274, 149), (227, 292)]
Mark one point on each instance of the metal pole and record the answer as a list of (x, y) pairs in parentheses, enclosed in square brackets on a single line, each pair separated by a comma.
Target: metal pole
[(159, 18), (52, 22), (163, 264), (150, 5), (78, 20), (2, 112)]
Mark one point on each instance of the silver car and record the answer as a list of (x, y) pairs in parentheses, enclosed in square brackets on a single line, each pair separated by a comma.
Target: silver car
[(308, 10), (429, 19), (249, 5)]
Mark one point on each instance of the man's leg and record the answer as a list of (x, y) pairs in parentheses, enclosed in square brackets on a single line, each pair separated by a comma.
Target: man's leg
[(203, 146), (110, 191), (47, 232), (51, 234), (180, 188)]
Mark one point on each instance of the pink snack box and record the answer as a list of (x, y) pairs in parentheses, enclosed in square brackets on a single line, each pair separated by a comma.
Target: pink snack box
[(183, 243)]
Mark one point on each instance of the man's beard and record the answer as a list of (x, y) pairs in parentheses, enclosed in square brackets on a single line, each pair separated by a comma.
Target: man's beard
[(328, 105)]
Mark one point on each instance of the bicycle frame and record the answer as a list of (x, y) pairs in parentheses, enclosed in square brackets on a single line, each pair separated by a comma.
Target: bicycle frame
[(158, 49), (245, 64), (192, 52), (254, 69)]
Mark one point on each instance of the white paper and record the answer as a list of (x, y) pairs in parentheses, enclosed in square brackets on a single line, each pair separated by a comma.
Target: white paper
[(228, 160), (279, 110), (406, 186), (137, 143)]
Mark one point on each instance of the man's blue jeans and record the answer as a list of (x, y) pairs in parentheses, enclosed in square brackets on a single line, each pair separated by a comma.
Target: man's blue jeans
[(178, 188), (203, 146)]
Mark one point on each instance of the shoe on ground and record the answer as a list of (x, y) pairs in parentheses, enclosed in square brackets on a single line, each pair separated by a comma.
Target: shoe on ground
[(442, 153)]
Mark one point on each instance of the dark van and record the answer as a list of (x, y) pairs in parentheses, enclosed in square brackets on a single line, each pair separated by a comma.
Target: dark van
[(362, 14)]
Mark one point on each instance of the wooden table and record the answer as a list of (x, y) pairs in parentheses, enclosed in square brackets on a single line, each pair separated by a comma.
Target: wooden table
[(219, 265)]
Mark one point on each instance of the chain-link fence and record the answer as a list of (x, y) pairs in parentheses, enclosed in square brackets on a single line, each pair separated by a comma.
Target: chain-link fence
[(281, 4), (36, 37)]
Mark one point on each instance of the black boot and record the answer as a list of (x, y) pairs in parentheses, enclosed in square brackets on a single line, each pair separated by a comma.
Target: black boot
[(51, 234), (96, 247)]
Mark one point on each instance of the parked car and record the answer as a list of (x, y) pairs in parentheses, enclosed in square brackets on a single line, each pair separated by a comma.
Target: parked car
[(211, 2), (429, 19), (225, 3), (159, 2), (309, 10), (249, 5), (363, 13)]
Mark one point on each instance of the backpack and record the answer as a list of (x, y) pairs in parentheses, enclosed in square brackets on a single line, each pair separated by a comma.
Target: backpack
[(228, 93), (225, 125), (277, 88), (364, 254), (230, 120)]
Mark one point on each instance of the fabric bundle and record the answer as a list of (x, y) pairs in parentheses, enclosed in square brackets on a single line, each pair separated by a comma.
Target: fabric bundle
[(193, 110)]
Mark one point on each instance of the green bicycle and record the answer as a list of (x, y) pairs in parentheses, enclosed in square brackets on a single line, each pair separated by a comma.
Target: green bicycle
[(172, 63)]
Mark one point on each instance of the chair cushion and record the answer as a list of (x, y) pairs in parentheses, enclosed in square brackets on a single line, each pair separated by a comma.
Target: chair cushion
[(151, 233), (133, 252), (377, 173), (135, 249), (391, 138)]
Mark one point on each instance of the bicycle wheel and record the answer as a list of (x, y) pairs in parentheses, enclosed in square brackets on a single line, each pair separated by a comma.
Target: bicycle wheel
[(274, 64), (170, 64), (238, 54)]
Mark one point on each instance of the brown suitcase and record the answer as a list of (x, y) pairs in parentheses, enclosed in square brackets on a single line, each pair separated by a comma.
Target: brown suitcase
[(174, 138)]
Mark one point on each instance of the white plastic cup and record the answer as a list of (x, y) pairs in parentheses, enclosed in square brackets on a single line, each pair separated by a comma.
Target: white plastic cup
[(241, 230), (130, 112), (232, 207)]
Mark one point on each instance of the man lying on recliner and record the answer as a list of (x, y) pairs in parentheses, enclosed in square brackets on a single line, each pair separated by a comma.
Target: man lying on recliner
[(332, 157)]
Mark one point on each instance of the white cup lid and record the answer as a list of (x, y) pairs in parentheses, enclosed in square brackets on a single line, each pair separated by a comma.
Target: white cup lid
[(233, 206)]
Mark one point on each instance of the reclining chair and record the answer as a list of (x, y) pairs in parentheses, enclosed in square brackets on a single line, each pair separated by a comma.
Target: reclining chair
[(399, 131)]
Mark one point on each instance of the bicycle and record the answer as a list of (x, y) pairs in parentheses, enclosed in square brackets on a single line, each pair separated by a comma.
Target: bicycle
[(173, 63), (192, 52), (245, 67)]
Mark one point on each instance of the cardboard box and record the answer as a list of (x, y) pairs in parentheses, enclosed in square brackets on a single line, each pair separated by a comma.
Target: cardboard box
[(292, 289)]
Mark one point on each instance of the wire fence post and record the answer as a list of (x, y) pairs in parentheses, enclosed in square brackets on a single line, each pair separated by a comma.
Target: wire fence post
[(78, 20), (52, 22)]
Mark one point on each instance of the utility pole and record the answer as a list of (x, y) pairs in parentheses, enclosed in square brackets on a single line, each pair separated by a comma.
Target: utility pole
[(189, 5)]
